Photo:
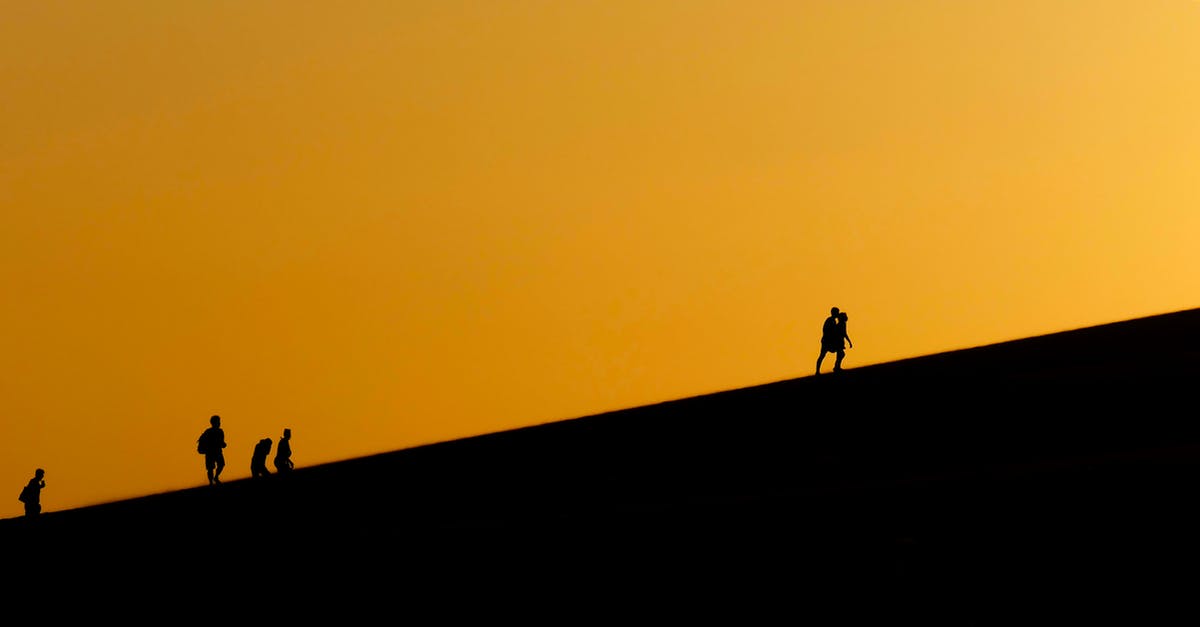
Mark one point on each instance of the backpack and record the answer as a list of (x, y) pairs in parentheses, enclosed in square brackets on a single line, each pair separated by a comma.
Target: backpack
[(24, 494), (202, 443)]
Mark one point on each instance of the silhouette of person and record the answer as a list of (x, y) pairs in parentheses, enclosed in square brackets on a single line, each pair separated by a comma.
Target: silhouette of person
[(283, 452), (834, 338), (258, 460), (843, 318), (31, 495), (214, 451)]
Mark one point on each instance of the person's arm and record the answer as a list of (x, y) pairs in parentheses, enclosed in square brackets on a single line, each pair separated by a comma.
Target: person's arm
[(848, 342)]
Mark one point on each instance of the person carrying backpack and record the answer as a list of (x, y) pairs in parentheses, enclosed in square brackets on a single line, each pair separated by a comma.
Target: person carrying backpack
[(212, 445), (31, 494)]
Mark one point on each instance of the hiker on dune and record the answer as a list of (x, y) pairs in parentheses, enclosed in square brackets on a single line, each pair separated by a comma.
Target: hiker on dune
[(834, 338)]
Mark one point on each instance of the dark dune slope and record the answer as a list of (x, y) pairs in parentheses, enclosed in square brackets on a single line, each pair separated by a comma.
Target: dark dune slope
[(1073, 452)]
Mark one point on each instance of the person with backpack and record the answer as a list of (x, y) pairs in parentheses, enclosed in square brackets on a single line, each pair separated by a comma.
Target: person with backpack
[(212, 445), (31, 494)]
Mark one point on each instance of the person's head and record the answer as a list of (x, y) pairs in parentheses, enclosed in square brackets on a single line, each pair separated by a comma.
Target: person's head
[(287, 433), (843, 316), (833, 311), (215, 420), (39, 473)]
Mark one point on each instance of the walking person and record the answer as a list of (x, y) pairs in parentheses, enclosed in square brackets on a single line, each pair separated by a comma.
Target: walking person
[(31, 494), (834, 338), (258, 460), (844, 334), (212, 446), (283, 452)]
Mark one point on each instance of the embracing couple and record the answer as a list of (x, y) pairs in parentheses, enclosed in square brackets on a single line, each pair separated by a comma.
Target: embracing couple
[(834, 338)]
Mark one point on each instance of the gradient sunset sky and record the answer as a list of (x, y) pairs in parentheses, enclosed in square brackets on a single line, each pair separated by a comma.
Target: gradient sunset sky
[(390, 223)]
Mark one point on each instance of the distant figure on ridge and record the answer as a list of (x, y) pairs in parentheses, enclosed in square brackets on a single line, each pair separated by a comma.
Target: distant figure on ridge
[(212, 445), (31, 494), (283, 452), (834, 338), (258, 461)]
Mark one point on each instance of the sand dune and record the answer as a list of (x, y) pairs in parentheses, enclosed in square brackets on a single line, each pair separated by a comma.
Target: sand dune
[(1071, 455)]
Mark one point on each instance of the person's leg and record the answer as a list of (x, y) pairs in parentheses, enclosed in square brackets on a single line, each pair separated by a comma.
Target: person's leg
[(820, 358), (218, 469), (208, 468), (837, 364)]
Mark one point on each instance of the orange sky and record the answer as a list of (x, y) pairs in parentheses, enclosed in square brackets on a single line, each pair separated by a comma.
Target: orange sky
[(384, 224)]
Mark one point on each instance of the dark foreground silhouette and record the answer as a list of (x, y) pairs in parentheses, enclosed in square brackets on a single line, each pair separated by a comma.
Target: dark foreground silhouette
[(922, 488)]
